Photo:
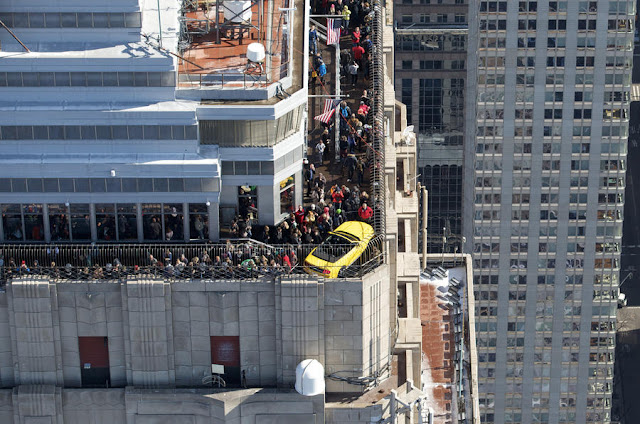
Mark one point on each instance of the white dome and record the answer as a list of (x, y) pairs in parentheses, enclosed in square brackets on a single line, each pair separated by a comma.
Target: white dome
[(255, 52), (241, 8), (310, 378)]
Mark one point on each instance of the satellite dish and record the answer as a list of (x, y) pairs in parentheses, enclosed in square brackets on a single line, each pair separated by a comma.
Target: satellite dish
[(310, 378)]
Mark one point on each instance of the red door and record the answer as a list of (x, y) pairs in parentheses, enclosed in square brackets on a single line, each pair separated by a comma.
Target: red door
[(94, 361), (225, 350)]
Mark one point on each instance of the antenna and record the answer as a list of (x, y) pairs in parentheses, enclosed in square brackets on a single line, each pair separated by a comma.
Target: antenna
[(159, 26)]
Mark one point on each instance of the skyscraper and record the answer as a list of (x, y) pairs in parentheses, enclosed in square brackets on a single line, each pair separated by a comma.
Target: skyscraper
[(430, 78), (544, 196)]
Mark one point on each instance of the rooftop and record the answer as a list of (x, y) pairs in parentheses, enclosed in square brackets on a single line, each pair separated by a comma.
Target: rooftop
[(445, 346), (214, 38)]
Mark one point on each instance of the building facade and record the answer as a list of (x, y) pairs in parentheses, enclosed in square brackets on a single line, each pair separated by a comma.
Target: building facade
[(106, 138), (430, 79), (114, 138), (544, 197)]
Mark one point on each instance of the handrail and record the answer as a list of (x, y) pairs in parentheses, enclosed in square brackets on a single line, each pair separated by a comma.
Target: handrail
[(247, 259)]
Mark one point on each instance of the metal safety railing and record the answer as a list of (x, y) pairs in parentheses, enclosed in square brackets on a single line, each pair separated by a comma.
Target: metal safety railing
[(242, 260), (376, 86)]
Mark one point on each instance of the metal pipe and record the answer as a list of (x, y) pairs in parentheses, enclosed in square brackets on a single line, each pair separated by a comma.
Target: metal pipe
[(424, 227), (14, 36), (269, 40), (159, 26)]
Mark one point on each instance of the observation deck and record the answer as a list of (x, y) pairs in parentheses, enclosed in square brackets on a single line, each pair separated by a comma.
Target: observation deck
[(213, 42)]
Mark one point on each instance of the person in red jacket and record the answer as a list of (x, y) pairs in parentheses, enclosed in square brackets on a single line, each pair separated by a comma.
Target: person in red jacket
[(299, 214), (338, 197), (358, 53), (365, 212)]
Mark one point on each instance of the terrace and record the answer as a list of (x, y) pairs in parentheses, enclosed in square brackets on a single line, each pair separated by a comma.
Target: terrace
[(216, 36)]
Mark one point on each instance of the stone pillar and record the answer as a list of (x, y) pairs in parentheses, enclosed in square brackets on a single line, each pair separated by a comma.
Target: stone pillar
[(33, 332), (148, 356), (300, 312)]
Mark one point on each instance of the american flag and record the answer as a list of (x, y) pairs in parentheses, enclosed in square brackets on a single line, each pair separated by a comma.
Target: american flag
[(333, 31), (327, 114)]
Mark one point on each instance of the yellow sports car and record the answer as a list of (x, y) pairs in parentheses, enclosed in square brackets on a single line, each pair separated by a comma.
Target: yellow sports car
[(344, 246)]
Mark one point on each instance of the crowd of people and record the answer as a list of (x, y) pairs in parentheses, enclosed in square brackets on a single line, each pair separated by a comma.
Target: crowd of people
[(329, 199), (229, 260), (338, 196)]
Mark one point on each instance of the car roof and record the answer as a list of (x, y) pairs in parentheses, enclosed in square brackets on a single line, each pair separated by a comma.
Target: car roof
[(361, 230)]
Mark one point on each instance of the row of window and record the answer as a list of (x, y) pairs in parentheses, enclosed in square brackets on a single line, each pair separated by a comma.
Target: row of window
[(435, 64), (440, 18), (261, 167), (113, 222), (71, 20), (98, 132), (251, 133), (87, 79), (108, 185)]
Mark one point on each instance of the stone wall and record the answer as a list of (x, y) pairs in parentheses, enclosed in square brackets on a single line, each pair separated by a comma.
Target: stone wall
[(53, 405), (159, 332)]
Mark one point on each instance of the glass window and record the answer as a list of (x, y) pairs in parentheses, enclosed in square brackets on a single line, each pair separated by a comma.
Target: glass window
[(5, 185), (82, 185), (85, 20), (145, 185), (41, 132), (110, 79), (127, 221), (192, 185), (125, 79), (287, 195), (68, 20), (52, 20), (80, 222), (97, 185), (209, 184), (19, 185), (33, 222), (94, 79), (132, 20), (135, 132), (173, 222), (78, 79), (152, 221), (160, 185), (176, 184), (88, 132), (100, 20), (105, 222), (12, 222), (114, 185), (248, 201), (59, 222), (129, 185), (34, 185), (116, 20), (198, 221)]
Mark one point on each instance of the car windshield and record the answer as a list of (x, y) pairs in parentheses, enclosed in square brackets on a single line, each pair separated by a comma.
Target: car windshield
[(333, 248)]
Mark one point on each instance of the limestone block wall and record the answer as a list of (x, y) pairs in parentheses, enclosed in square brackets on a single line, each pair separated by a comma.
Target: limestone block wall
[(149, 346), (87, 309), (300, 316), (356, 328), (159, 332), (55, 405), (35, 332), (205, 309), (6, 358)]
